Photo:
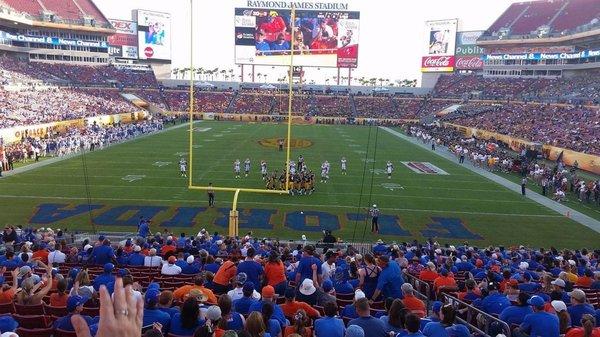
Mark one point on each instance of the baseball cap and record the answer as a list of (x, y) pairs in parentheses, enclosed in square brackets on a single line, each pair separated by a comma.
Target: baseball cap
[(213, 313), (109, 267), (7, 323), (190, 259), (241, 278), (123, 272), (24, 270), (559, 306), (559, 282), (309, 248), (359, 294), (536, 301), (577, 294), (355, 331), (307, 287), (87, 247), (101, 238), (137, 248), (74, 301), (437, 306), (268, 292), (152, 295)]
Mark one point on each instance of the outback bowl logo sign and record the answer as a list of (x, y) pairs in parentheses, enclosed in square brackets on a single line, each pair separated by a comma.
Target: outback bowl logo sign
[(469, 62), (149, 52), (437, 64)]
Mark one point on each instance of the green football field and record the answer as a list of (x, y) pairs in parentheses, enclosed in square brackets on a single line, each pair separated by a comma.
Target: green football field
[(113, 187)]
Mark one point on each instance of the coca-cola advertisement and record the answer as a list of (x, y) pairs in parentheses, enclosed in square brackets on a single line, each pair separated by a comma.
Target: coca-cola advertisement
[(468, 63), (437, 64)]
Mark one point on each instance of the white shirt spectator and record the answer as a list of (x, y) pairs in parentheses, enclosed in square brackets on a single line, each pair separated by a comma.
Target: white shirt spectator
[(238, 293), (170, 269), (152, 261), (327, 270), (56, 257)]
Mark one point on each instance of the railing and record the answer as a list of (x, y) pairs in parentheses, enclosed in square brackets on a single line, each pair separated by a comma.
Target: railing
[(420, 286), (483, 321)]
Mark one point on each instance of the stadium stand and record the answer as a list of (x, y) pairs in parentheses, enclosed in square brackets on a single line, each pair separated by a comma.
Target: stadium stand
[(477, 285), (70, 10)]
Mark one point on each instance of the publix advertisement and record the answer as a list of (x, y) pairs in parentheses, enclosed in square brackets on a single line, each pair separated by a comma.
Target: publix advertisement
[(468, 56)]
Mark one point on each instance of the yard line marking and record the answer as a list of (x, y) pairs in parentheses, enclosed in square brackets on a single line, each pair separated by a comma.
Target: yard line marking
[(195, 201)]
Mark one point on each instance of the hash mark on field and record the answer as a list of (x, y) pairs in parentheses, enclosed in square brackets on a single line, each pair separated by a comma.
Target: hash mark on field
[(360, 151), (196, 146), (392, 186), (202, 129), (209, 140), (161, 163), (368, 160), (133, 177), (377, 171), (180, 154), (354, 145), (218, 135)]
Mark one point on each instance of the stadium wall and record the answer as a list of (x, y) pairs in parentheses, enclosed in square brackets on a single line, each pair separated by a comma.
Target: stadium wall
[(585, 161)]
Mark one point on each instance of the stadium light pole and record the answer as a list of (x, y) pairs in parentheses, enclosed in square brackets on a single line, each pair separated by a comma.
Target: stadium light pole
[(190, 157), (291, 89)]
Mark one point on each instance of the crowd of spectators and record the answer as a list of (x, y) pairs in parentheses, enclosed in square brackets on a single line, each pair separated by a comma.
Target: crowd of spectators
[(32, 105), (571, 127), (206, 285), (205, 101), (582, 88), (73, 140)]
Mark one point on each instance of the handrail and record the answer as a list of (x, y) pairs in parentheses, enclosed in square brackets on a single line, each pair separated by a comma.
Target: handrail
[(478, 314), (418, 285)]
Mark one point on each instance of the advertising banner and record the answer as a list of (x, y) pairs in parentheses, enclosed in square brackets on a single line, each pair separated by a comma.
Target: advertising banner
[(466, 43), (544, 56), (473, 62), (123, 44), (154, 35), (437, 64), (321, 38), (440, 45), (57, 41)]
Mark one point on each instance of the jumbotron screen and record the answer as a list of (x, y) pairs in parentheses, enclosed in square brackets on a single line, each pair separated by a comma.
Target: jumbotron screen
[(320, 38)]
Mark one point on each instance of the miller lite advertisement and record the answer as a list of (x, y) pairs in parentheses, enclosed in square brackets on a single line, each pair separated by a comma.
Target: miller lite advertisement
[(440, 43), (123, 44)]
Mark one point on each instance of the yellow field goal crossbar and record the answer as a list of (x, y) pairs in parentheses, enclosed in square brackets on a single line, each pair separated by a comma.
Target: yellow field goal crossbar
[(233, 214)]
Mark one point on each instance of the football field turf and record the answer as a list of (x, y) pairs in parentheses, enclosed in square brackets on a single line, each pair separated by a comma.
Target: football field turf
[(427, 197)]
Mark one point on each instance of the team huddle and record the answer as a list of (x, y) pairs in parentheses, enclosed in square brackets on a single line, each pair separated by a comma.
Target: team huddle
[(301, 178)]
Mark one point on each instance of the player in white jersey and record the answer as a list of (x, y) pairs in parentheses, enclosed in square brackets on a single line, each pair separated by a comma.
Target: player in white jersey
[(292, 167), (246, 166), (236, 168), (263, 169), (344, 168), (324, 171), (183, 167), (389, 169)]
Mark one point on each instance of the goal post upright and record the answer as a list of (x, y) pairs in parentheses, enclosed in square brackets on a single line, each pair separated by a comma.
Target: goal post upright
[(233, 229)]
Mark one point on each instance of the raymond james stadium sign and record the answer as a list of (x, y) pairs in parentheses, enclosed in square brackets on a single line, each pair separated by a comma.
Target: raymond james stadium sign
[(297, 5)]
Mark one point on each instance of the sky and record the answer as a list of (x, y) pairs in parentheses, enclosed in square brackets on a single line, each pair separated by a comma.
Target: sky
[(392, 32)]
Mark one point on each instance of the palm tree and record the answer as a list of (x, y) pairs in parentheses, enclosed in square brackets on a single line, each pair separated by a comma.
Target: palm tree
[(223, 72), (175, 72)]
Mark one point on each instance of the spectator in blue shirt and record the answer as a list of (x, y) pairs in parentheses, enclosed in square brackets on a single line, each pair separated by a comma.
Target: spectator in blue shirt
[(516, 313), (330, 325), (390, 279), (446, 325), (136, 258), (494, 302), (280, 44), (540, 323), (143, 229), (253, 270), (74, 307), (349, 310), (413, 324), (579, 307), (165, 303), (268, 295), (104, 253), (105, 278), (528, 286), (261, 44), (243, 304), (305, 266), (151, 311), (374, 326), (191, 266), (186, 322), (340, 281)]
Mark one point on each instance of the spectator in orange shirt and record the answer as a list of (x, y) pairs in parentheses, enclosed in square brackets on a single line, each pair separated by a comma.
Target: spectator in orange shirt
[(40, 253), (181, 292), (168, 249), (411, 303), (275, 273), (428, 274), (59, 299), (301, 325), (224, 276), (586, 280), (444, 280), (291, 306), (8, 293)]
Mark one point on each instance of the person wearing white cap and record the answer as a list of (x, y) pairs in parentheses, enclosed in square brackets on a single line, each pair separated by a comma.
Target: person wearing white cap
[(136, 258), (152, 260), (307, 292), (374, 213), (350, 310), (563, 316), (191, 266)]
